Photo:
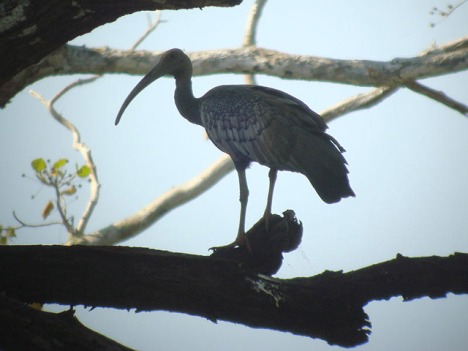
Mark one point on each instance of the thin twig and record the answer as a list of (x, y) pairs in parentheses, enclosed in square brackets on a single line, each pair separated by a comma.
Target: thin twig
[(438, 96), (62, 210), (445, 13), (250, 36), (151, 27), (29, 225)]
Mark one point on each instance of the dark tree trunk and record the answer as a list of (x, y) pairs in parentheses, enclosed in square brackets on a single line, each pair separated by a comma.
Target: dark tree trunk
[(30, 30), (328, 306)]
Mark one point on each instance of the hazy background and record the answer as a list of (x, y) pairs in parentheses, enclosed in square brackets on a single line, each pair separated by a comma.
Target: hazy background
[(407, 158)]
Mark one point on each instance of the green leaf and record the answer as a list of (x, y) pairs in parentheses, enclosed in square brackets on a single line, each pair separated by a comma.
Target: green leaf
[(83, 172), (38, 164), (59, 164), (10, 232), (3, 240)]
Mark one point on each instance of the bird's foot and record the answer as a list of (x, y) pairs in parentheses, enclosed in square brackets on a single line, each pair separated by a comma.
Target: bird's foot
[(241, 241), (264, 253)]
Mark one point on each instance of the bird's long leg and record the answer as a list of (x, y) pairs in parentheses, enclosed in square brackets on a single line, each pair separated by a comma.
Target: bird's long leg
[(267, 215), (241, 239), (243, 198)]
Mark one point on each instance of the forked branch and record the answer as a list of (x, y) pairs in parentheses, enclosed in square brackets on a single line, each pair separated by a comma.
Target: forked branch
[(85, 152)]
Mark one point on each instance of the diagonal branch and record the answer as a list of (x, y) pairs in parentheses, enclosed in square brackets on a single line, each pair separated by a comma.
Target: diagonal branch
[(138, 222), (358, 102), (438, 96)]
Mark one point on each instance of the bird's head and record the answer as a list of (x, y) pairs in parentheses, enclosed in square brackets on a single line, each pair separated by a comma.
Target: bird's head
[(173, 62)]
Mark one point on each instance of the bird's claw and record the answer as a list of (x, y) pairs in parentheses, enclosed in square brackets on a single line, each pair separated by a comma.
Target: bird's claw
[(241, 241)]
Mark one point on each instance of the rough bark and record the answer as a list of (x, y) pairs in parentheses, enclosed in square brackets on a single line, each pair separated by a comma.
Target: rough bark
[(31, 29), (450, 58), (327, 306), (25, 328)]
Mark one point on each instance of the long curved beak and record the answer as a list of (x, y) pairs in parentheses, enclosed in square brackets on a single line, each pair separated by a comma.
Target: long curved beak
[(157, 72)]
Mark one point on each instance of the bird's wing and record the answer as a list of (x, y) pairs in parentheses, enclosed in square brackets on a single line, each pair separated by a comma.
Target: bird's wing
[(303, 115), (257, 123)]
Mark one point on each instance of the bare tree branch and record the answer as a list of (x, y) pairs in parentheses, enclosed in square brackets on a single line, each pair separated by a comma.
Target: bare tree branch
[(329, 306), (251, 32), (85, 153), (438, 96), (151, 28), (250, 35), (450, 58), (136, 223), (445, 13), (23, 223)]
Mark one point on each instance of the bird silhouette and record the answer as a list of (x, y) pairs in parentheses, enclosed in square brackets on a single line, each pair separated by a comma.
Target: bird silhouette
[(261, 124)]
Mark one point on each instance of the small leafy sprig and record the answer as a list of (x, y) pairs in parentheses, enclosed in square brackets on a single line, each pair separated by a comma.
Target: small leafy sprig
[(60, 179), (64, 183)]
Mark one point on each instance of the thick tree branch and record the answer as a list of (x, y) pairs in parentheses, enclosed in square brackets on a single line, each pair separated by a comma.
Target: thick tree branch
[(43, 331), (30, 30), (327, 306), (450, 58)]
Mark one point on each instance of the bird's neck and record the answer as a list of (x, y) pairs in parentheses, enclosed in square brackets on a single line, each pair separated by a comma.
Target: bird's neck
[(187, 104)]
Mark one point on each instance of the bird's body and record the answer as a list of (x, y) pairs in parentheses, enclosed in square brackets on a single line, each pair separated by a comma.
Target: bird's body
[(255, 123), (268, 126)]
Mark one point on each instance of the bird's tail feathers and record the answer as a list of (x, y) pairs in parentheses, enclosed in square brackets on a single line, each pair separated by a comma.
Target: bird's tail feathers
[(319, 158)]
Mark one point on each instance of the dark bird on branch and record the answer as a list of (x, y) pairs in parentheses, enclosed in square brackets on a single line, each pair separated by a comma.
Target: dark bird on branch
[(255, 123)]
